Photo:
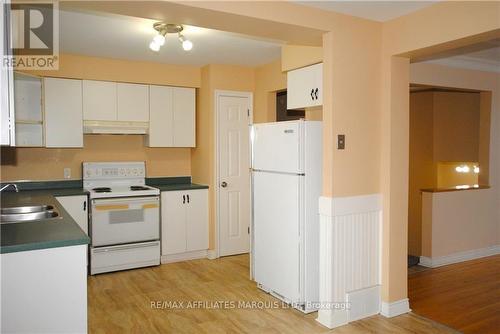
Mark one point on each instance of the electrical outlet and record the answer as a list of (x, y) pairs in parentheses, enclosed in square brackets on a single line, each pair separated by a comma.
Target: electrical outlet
[(67, 173)]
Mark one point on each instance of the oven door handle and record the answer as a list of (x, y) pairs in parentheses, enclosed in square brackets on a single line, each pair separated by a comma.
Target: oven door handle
[(125, 204)]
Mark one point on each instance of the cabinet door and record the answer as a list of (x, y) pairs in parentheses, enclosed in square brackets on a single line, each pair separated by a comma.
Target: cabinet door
[(132, 102), (301, 87), (7, 125), (161, 117), (184, 108), (300, 84), (197, 220), (173, 222), (99, 100), (318, 84), (63, 112), (77, 207)]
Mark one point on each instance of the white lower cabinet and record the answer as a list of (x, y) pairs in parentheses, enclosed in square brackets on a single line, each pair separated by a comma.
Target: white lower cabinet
[(184, 216), (44, 291), (77, 207)]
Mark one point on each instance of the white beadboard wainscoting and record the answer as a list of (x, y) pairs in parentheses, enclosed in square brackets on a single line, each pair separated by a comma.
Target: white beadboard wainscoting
[(350, 257)]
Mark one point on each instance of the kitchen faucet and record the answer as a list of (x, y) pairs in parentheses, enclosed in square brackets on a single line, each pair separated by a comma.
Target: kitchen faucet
[(8, 185)]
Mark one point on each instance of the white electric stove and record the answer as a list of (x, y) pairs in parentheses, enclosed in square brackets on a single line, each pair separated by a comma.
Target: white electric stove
[(124, 216)]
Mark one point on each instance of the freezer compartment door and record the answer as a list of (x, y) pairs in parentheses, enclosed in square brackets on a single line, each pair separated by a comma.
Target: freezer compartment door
[(278, 147), (277, 212)]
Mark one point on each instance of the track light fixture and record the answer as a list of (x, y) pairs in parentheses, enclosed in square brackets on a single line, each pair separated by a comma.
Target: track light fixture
[(165, 28)]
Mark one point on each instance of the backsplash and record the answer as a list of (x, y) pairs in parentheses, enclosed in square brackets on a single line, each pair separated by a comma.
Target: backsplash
[(38, 164)]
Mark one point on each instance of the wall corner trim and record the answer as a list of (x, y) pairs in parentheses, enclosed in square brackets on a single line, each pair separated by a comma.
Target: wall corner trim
[(212, 254), (434, 262), (333, 319), (396, 308)]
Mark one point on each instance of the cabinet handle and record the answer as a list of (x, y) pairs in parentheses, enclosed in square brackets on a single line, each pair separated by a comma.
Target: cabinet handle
[(312, 92), (188, 198), (316, 93), (183, 199), (85, 206)]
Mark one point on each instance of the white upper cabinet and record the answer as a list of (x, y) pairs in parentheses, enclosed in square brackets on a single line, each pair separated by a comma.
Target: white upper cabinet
[(132, 102), (99, 100), (28, 107), (7, 125), (161, 117), (172, 118), (305, 87), (184, 102), (63, 112)]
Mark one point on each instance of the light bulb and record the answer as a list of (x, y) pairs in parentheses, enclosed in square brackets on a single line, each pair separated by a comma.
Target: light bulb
[(154, 46), (187, 45), (159, 39)]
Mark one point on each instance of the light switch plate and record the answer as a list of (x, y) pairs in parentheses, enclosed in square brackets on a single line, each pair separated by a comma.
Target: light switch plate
[(340, 142), (67, 173)]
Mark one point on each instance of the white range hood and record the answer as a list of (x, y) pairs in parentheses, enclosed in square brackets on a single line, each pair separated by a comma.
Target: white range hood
[(115, 127)]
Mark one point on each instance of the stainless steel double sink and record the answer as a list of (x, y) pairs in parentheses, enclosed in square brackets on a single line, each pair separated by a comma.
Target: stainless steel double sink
[(18, 214)]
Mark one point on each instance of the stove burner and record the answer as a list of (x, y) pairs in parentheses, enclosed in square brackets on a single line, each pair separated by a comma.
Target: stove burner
[(134, 188), (102, 190)]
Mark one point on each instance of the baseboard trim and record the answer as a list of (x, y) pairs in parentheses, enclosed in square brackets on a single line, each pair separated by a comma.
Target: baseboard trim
[(171, 258), (212, 254), (396, 308), (434, 262), (363, 303)]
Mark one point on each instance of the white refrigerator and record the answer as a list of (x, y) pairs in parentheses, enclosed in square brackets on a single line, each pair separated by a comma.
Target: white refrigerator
[(286, 185)]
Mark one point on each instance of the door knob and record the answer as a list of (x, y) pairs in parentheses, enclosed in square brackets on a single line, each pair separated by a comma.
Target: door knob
[(223, 184)]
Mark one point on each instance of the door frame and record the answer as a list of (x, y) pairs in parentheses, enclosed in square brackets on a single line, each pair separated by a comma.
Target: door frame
[(218, 94)]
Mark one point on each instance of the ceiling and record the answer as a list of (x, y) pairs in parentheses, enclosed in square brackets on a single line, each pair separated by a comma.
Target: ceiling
[(484, 56), (373, 10), (125, 37)]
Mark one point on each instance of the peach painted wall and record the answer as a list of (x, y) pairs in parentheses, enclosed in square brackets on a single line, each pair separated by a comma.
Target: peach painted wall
[(48, 163), (482, 215), (440, 27), (297, 56), (95, 68), (214, 77), (269, 79), (422, 171), (456, 126), (444, 127), (459, 221)]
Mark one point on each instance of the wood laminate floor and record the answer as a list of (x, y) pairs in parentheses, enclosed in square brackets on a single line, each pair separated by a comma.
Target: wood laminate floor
[(121, 302), (464, 296)]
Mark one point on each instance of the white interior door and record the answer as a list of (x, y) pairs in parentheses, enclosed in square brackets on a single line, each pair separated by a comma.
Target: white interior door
[(233, 111)]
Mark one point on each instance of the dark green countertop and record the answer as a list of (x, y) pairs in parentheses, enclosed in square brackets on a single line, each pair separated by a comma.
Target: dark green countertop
[(63, 231), (56, 232), (174, 183), (179, 186)]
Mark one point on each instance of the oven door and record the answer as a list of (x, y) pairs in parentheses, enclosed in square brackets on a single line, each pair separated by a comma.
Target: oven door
[(125, 220)]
